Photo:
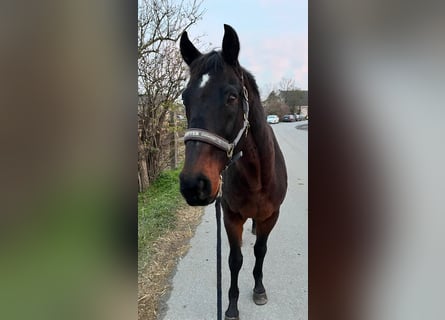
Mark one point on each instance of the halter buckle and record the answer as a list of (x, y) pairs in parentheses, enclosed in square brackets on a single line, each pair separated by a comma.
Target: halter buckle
[(230, 151), (220, 186)]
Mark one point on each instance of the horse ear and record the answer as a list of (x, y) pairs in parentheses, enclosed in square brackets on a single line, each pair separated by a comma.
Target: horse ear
[(230, 45), (188, 50)]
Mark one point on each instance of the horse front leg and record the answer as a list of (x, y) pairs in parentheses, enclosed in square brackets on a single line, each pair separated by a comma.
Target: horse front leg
[(253, 226), (260, 249), (234, 228)]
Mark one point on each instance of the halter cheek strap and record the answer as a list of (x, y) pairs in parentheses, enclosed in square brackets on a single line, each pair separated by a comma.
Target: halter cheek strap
[(217, 141)]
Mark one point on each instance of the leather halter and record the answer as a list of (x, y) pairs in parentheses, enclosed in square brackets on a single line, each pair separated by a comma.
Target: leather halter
[(217, 141)]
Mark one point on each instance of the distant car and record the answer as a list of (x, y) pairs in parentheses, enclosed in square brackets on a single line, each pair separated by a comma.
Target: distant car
[(288, 118), (273, 118), (299, 117)]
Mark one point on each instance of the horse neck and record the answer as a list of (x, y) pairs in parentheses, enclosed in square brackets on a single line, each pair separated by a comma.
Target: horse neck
[(258, 149), (259, 129)]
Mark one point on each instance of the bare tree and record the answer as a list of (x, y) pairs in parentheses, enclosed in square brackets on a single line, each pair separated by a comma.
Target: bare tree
[(287, 84), (274, 104), (161, 75), (292, 96), (267, 89)]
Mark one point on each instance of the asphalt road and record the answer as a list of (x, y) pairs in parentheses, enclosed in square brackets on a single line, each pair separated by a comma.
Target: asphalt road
[(286, 264)]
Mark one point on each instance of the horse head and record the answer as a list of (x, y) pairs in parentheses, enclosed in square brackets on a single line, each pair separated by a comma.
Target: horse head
[(215, 103)]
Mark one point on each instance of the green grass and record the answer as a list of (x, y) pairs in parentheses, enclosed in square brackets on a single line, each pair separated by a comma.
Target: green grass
[(157, 208)]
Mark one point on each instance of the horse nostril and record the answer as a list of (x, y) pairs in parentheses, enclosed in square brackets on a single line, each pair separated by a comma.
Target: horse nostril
[(196, 189), (201, 184), (203, 188)]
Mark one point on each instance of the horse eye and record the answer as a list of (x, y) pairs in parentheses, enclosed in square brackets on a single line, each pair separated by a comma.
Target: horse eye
[(232, 98)]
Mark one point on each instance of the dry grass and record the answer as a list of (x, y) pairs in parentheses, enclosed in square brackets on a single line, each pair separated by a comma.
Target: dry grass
[(154, 278)]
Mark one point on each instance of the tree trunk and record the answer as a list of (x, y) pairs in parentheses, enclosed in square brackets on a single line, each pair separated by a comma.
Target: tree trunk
[(143, 179), (174, 143), (174, 151)]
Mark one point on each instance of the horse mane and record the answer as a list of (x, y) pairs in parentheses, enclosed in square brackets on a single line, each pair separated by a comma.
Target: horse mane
[(254, 98), (252, 82)]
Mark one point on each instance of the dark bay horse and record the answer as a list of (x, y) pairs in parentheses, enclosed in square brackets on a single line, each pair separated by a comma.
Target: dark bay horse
[(226, 120)]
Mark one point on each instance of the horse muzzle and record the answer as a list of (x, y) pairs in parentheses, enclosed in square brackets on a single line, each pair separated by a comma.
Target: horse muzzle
[(196, 189)]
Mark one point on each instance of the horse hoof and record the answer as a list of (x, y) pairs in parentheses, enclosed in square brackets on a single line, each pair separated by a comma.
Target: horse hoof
[(259, 298), (230, 318)]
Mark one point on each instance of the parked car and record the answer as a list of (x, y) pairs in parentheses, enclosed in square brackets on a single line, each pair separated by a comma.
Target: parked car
[(273, 118), (288, 118), (299, 117)]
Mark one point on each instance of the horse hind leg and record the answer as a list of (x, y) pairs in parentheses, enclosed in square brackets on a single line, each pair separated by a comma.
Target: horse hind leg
[(263, 230)]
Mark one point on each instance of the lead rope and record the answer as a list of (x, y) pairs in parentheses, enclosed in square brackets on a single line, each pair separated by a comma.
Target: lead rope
[(218, 252), (218, 239), (218, 259)]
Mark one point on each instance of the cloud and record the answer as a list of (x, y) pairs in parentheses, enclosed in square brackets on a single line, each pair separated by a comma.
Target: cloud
[(274, 58), (273, 36)]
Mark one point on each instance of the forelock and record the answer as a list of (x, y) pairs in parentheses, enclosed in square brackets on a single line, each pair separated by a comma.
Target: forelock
[(210, 63)]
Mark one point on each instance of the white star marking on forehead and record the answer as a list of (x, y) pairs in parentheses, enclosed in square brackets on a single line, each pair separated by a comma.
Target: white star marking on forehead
[(205, 78)]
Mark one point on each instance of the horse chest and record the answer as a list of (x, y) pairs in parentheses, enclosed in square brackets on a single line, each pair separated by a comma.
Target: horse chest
[(257, 206), (250, 204)]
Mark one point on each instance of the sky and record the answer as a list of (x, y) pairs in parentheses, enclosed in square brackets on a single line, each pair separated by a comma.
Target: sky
[(273, 36)]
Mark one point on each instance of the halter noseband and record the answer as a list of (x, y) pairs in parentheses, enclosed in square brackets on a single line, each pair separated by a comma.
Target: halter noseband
[(217, 141)]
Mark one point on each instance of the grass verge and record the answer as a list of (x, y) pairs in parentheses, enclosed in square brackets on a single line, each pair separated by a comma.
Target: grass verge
[(157, 208), (166, 225)]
